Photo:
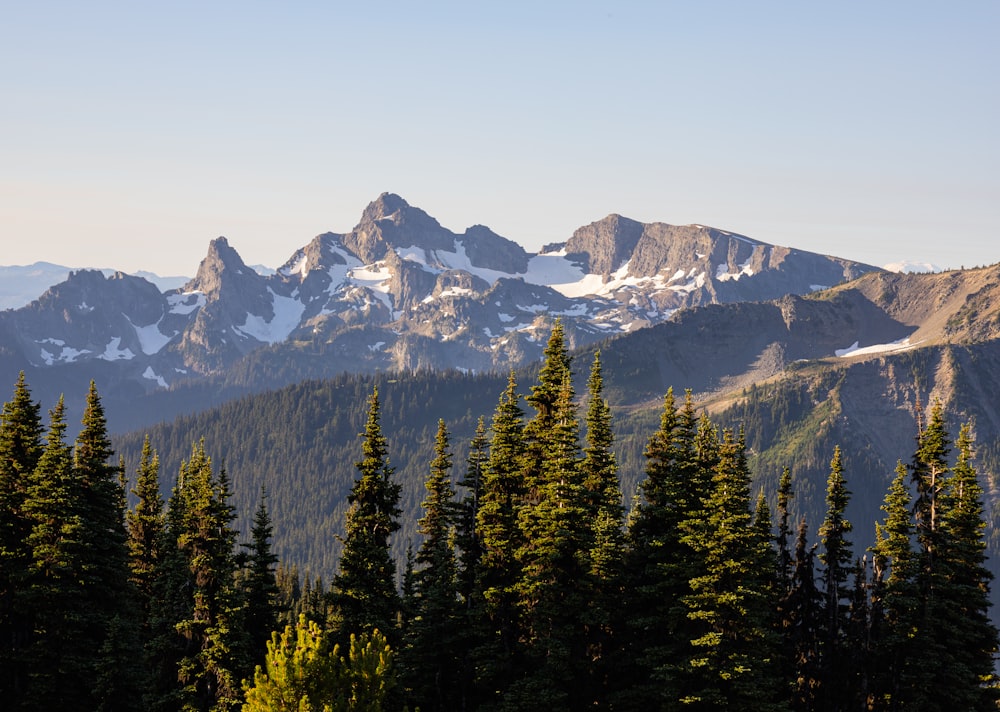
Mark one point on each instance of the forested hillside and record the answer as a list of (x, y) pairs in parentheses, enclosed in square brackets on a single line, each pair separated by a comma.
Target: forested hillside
[(525, 585)]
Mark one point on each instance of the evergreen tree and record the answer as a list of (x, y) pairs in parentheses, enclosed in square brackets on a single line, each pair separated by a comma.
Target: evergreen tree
[(215, 649), (469, 558), (837, 558), (801, 619), (111, 600), (930, 476), (660, 563), (731, 661), (467, 538), (364, 590), (259, 581), (964, 598), (784, 537), (301, 673), (895, 601), (298, 675), (607, 541), (59, 655), (146, 525), (433, 635), (503, 489), (20, 448), (554, 558)]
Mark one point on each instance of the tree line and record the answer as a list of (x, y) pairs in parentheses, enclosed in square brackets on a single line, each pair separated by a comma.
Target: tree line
[(533, 586)]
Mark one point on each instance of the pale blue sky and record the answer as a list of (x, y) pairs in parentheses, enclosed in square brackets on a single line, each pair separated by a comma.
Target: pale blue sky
[(134, 133)]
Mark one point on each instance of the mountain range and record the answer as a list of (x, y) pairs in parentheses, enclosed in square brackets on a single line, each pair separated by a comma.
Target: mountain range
[(397, 292), (805, 351)]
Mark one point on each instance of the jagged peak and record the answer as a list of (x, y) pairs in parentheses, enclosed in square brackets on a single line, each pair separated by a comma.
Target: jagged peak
[(384, 206), (221, 258)]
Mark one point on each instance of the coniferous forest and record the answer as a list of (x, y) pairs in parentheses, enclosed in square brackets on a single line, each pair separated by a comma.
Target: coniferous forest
[(532, 586)]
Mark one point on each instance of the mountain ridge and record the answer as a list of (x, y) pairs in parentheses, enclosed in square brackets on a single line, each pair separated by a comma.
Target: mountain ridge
[(397, 292)]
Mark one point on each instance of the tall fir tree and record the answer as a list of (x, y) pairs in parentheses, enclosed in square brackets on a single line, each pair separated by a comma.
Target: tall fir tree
[(432, 673), (110, 597), (895, 601), (146, 530), (605, 511), (497, 653), (364, 589), (731, 661), (801, 618), (554, 559), (659, 564), (215, 648), (20, 448), (59, 655), (259, 581), (930, 473), (836, 555), (964, 598)]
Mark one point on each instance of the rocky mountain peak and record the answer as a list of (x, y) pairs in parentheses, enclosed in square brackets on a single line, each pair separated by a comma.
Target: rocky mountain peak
[(604, 245), (220, 262), (389, 221)]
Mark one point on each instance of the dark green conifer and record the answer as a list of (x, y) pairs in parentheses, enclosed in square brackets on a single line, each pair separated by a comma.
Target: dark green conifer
[(801, 612), (20, 447), (503, 490), (731, 661), (554, 555), (60, 654), (659, 563), (260, 583), (964, 595), (364, 589), (430, 654), (837, 558), (895, 601), (607, 539), (212, 628), (146, 525)]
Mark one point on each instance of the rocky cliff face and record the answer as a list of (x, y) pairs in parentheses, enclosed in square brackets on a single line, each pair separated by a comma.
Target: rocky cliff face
[(401, 291)]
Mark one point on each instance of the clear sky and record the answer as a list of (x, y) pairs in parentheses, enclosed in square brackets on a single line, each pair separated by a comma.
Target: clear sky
[(135, 132)]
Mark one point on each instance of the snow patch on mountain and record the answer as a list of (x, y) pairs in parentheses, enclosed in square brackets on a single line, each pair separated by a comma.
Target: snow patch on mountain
[(856, 350), (287, 315), (185, 302), (151, 339), (113, 352), (722, 273), (151, 375)]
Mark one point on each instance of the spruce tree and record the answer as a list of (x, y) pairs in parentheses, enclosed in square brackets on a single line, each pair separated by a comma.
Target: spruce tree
[(607, 541), (364, 589), (930, 473), (472, 611), (112, 602), (20, 447), (554, 558), (964, 595), (837, 558), (801, 618), (432, 667), (895, 601), (659, 563), (497, 653), (212, 627), (731, 660), (259, 582), (146, 524), (60, 654)]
